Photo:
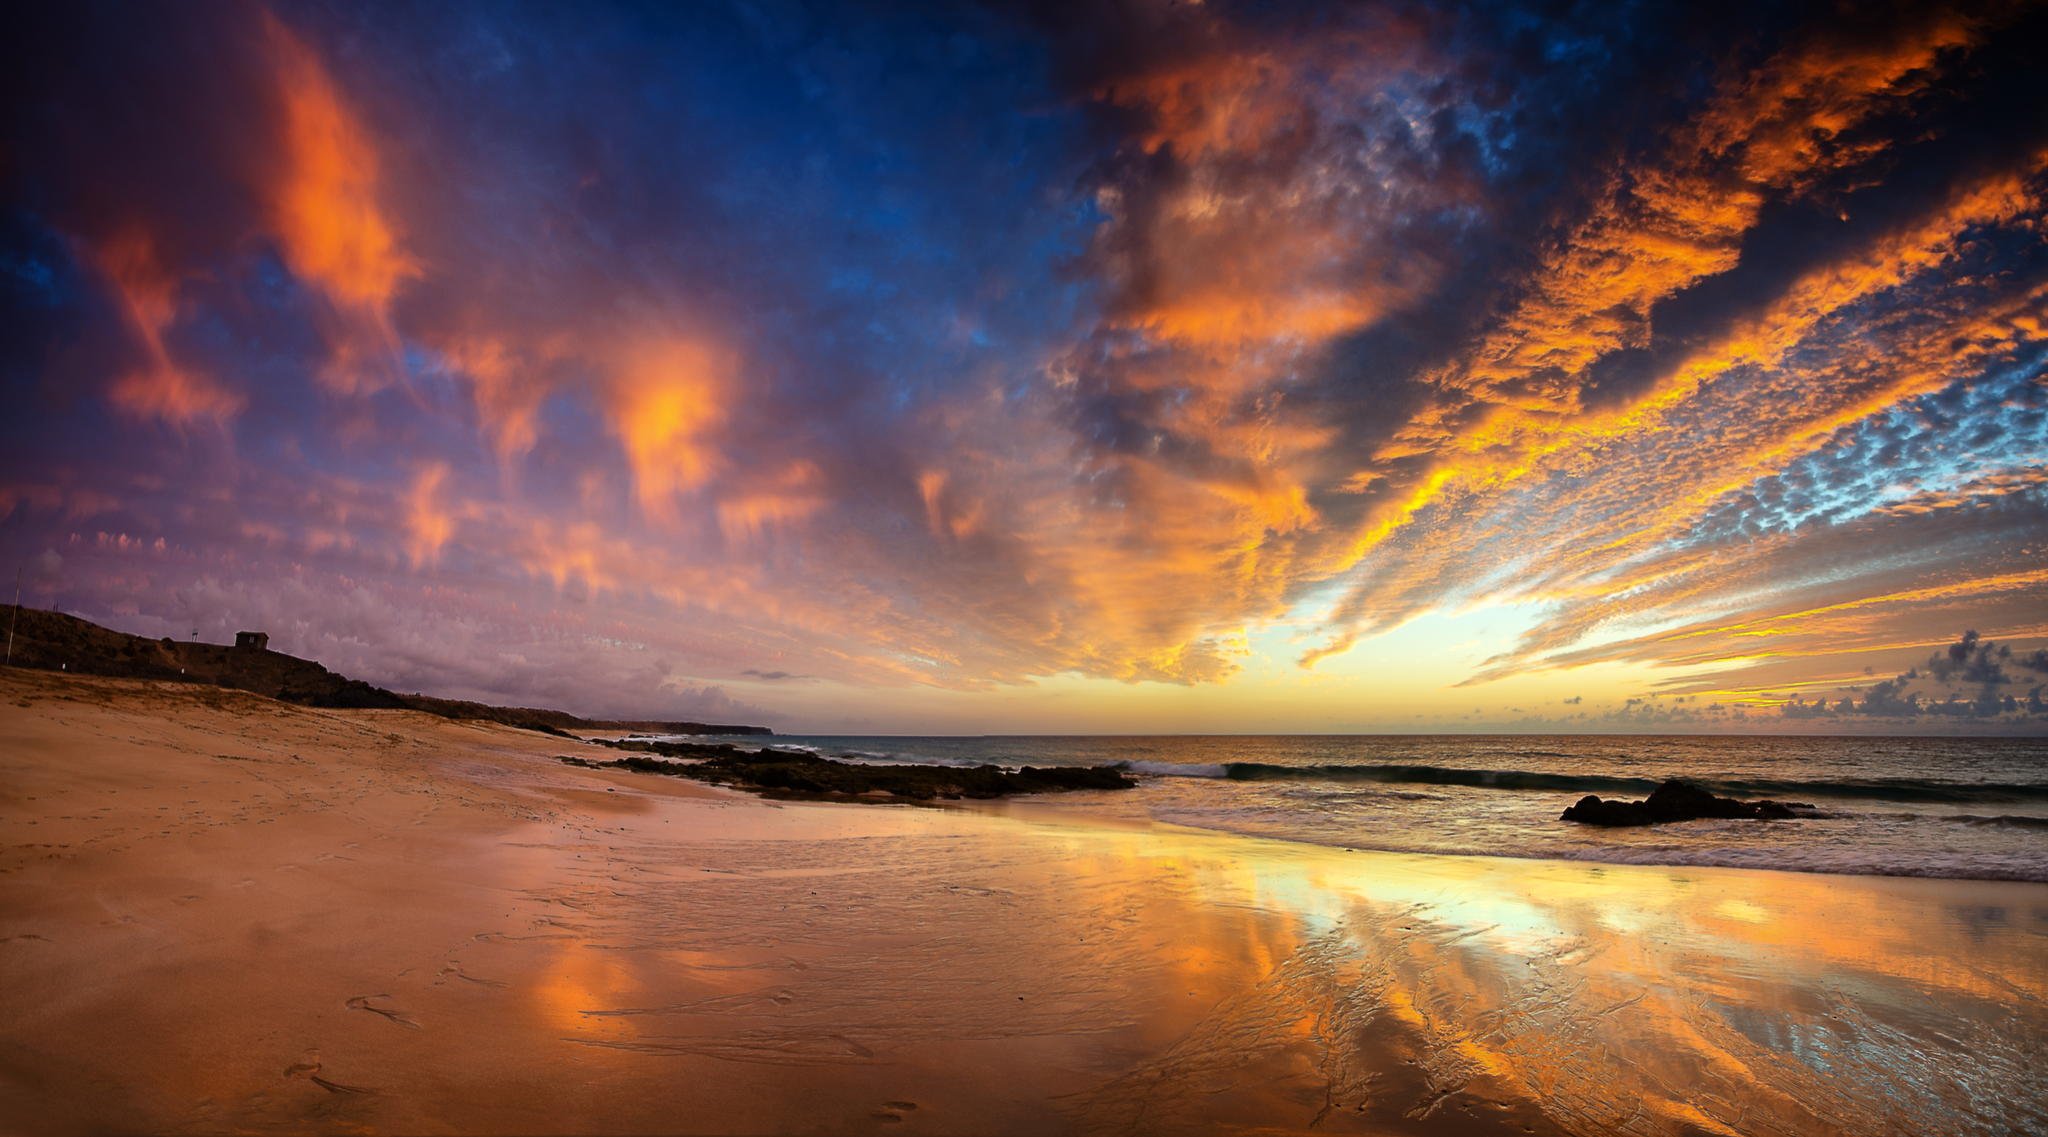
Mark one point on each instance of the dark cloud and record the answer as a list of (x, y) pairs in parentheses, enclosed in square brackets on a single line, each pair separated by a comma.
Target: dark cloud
[(1971, 660)]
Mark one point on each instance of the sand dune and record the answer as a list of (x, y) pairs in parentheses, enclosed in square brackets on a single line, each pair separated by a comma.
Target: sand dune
[(222, 913)]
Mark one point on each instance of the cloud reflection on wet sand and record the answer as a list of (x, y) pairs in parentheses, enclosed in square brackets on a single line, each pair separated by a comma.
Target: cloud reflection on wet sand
[(1156, 979)]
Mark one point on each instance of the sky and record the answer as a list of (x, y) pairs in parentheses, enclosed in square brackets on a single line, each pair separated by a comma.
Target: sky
[(1028, 367)]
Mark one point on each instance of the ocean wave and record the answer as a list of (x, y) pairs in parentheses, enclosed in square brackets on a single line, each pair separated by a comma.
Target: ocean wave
[(1708, 853), (884, 758), (1177, 769), (1888, 789), (1440, 776), (2000, 820), (2015, 821), (1956, 866)]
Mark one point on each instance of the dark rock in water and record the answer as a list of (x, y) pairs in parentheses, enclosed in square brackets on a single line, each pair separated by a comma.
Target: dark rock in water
[(796, 774), (1678, 800), (1593, 810)]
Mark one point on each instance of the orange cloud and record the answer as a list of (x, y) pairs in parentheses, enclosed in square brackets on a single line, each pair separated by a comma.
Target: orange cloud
[(1790, 622), (428, 524), (506, 381), (1643, 472), (1239, 247), (1790, 408), (1253, 224), (1677, 221), (1234, 272), (666, 397), (931, 484), (1751, 660), (577, 552), (780, 498), (160, 388), (330, 224), (956, 513), (1986, 487)]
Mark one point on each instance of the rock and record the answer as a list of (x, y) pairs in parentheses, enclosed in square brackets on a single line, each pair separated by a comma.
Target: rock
[(1592, 810), (1678, 800), (798, 774), (1683, 801)]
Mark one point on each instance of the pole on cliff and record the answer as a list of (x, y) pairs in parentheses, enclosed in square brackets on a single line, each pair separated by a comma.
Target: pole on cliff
[(14, 616)]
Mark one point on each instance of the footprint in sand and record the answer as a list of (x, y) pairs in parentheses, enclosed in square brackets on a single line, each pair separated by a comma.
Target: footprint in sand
[(362, 1003), (455, 969), (311, 1072), (893, 1110), (340, 1087)]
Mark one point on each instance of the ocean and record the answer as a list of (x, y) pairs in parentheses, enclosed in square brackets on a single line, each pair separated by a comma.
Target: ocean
[(1970, 808)]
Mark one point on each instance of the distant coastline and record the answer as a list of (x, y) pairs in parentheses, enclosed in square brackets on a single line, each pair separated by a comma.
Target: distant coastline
[(54, 641)]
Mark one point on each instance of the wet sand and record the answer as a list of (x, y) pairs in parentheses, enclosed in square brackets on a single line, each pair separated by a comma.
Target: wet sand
[(221, 913)]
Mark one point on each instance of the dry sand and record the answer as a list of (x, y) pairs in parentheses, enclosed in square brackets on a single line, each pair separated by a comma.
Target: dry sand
[(221, 913)]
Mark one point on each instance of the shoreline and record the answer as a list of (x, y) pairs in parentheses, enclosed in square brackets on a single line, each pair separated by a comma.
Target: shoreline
[(1083, 819), (220, 912), (1495, 803)]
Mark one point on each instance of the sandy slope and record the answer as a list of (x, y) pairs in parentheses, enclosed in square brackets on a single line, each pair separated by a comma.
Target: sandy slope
[(223, 913)]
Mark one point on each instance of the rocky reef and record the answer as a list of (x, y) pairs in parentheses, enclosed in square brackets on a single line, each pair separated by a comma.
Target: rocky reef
[(797, 774), (1678, 800)]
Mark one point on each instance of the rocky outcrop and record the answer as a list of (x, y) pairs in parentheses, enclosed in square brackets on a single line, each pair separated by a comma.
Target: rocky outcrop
[(1679, 800), (796, 774)]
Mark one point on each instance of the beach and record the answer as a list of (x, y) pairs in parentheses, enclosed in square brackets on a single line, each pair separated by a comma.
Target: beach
[(223, 913)]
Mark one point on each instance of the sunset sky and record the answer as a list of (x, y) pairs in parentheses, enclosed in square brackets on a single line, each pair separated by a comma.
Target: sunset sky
[(1026, 367)]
